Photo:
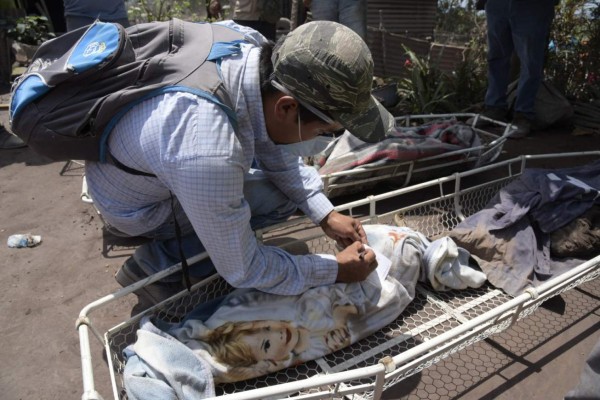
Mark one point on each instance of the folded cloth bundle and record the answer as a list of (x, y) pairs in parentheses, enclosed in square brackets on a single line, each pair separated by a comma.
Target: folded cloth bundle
[(580, 238)]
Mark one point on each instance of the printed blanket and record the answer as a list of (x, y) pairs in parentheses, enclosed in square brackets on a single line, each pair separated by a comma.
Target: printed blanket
[(249, 333), (406, 144)]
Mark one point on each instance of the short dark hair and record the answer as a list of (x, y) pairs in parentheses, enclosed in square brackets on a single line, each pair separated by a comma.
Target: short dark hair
[(266, 68), (265, 73)]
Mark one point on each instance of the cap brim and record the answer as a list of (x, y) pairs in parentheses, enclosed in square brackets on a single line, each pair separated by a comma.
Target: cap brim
[(370, 124)]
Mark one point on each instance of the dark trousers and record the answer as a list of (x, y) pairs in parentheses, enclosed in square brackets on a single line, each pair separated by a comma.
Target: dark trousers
[(521, 26)]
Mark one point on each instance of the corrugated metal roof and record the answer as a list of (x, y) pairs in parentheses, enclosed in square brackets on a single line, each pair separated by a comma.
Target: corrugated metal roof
[(389, 55), (393, 24)]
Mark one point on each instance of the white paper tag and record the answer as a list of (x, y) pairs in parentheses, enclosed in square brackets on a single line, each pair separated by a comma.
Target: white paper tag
[(383, 263)]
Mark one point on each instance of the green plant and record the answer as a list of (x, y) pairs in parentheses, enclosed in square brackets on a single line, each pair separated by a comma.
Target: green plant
[(468, 81), (425, 89), (459, 24), (32, 30), (140, 11), (455, 16), (573, 61)]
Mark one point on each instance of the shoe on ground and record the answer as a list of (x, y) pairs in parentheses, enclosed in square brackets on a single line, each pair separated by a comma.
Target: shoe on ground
[(493, 113), (130, 273), (521, 125), (8, 140)]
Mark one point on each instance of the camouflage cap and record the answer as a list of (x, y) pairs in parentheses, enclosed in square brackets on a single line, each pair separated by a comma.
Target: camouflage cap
[(329, 66)]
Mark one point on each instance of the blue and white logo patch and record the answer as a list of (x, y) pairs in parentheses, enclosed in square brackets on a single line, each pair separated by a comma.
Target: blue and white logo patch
[(94, 48), (99, 43)]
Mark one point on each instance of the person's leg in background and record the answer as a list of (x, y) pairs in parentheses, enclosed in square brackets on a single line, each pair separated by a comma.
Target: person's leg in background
[(76, 22), (500, 48), (325, 10), (353, 14), (123, 21), (530, 22)]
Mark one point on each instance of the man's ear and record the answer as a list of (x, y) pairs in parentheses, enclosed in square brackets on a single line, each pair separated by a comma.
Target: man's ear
[(286, 108)]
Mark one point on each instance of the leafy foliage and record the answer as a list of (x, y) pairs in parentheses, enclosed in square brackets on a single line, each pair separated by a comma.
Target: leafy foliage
[(32, 30), (573, 62), (425, 89), (140, 11), (453, 17), (468, 81)]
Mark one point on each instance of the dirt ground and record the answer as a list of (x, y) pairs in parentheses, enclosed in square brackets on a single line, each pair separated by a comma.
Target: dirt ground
[(43, 289)]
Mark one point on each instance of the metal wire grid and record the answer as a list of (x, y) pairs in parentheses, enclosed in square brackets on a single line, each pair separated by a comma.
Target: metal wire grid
[(430, 315), (463, 371)]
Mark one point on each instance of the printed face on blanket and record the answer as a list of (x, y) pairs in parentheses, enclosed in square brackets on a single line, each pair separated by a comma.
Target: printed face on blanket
[(223, 173), (250, 333), (248, 343)]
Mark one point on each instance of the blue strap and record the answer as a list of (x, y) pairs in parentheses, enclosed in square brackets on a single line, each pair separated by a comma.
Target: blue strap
[(224, 49)]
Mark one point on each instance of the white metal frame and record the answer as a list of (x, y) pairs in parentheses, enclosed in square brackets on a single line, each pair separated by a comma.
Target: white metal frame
[(391, 368)]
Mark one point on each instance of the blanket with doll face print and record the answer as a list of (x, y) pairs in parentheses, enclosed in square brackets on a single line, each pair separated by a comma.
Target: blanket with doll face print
[(249, 333)]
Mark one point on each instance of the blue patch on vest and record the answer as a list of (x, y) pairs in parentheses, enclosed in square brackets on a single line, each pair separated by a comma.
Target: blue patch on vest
[(224, 49), (97, 45)]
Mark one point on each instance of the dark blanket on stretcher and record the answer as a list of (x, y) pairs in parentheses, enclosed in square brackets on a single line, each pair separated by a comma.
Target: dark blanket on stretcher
[(511, 236), (406, 144)]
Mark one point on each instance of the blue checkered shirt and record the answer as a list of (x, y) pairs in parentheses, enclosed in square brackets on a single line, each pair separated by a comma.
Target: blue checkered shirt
[(190, 145)]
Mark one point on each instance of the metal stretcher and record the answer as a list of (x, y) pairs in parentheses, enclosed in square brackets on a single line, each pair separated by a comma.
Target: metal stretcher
[(402, 173), (431, 330)]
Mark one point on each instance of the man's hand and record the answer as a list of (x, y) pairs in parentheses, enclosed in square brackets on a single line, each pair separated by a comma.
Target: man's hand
[(355, 263), (343, 229)]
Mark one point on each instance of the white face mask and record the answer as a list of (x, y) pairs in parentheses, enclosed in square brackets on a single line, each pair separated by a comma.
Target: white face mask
[(307, 148)]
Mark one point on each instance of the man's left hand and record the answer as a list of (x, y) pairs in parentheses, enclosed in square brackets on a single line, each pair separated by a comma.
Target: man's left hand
[(343, 229)]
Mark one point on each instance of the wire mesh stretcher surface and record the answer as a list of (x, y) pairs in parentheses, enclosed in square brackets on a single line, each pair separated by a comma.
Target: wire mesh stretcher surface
[(434, 326)]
